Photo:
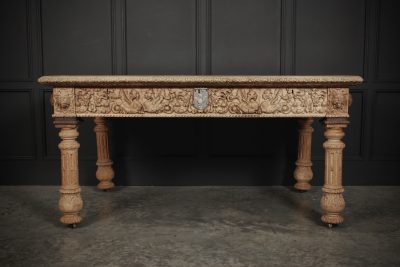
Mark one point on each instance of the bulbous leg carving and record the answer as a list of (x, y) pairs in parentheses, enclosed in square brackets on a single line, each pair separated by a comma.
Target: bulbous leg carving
[(303, 172), (105, 172), (332, 201), (70, 199)]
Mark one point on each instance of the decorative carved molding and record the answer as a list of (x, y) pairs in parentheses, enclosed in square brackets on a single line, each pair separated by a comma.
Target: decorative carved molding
[(222, 102), (192, 81), (91, 100)]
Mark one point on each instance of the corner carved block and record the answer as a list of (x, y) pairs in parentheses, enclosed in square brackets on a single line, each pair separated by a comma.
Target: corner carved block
[(64, 102), (339, 101)]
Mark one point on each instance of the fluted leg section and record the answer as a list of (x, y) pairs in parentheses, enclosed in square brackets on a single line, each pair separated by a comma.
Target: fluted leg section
[(332, 201), (105, 172), (70, 199), (303, 172)]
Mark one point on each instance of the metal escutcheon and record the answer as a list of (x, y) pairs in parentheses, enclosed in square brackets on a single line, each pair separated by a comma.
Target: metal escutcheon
[(200, 98)]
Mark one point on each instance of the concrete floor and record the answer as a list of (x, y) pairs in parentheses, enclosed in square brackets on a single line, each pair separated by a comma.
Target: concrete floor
[(199, 226)]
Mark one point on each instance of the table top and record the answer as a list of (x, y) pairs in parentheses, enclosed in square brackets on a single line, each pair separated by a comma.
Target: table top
[(216, 81)]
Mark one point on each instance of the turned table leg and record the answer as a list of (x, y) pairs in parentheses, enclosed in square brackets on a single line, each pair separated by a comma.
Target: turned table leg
[(105, 172), (332, 201), (303, 172), (70, 199)]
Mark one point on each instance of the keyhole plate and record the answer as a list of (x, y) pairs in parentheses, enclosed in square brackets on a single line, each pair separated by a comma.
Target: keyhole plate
[(200, 98)]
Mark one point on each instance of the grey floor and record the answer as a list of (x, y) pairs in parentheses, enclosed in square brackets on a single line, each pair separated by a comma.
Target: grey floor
[(199, 226)]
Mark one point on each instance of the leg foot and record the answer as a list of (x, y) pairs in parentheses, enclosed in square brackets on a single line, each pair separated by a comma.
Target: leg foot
[(302, 187), (70, 204), (301, 190), (103, 185), (303, 172), (332, 203)]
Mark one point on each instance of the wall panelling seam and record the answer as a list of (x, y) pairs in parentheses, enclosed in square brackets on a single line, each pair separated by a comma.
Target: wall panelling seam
[(288, 29), (30, 134), (118, 37)]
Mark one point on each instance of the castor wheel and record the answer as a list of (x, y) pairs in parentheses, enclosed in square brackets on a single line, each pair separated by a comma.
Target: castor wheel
[(331, 225), (106, 190), (72, 225)]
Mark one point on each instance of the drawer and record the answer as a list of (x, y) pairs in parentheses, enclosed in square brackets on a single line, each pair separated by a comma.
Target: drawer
[(201, 102)]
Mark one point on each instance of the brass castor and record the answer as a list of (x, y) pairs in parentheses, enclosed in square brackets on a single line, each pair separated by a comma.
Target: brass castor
[(72, 225)]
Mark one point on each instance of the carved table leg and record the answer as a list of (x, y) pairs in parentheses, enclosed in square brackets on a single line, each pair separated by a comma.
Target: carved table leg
[(105, 172), (332, 201), (303, 172), (70, 200)]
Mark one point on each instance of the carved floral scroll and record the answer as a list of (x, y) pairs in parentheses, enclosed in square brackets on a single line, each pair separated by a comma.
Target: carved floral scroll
[(222, 102)]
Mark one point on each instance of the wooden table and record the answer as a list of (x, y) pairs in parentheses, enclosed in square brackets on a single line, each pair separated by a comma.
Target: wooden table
[(302, 97)]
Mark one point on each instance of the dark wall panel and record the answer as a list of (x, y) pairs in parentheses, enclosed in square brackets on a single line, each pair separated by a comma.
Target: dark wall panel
[(140, 138), (161, 37), (385, 138), (252, 137), (329, 37), (14, 62), (245, 37), (76, 36), (17, 131), (389, 41)]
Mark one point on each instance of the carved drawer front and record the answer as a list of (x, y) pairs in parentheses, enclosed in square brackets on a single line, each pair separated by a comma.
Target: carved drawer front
[(200, 102)]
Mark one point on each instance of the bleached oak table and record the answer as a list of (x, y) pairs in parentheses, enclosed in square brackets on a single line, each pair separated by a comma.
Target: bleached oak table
[(302, 97)]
